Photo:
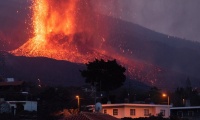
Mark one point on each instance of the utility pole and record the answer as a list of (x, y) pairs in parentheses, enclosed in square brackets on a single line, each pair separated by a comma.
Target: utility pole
[(2, 64), (78, 103), (168, 104)]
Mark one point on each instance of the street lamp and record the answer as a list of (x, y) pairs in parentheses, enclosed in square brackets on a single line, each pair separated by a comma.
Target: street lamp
[(78, 100), (165, 95)]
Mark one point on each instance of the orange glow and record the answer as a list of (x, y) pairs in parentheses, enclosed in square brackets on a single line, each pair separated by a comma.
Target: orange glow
[(164, 95), (56, 24), (67, 30)]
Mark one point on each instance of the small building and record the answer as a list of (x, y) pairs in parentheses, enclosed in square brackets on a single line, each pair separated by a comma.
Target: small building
[(190, 112), (135, 110), (13, 90), (11, 85), (22, 106)]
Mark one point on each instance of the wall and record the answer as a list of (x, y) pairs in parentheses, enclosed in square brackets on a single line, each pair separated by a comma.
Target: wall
[(28, 105), (124, 111)]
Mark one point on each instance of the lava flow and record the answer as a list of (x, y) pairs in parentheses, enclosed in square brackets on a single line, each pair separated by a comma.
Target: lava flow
[(60, 33), (69, 30)]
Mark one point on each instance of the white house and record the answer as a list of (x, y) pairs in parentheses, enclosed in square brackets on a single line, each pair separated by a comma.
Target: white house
[(135, 110), (27, 105)]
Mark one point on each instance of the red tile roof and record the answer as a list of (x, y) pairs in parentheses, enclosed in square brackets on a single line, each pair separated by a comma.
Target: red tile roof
[(90, 116)]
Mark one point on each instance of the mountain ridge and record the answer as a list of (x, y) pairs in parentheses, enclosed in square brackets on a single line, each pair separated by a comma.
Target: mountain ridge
[(177, 57)]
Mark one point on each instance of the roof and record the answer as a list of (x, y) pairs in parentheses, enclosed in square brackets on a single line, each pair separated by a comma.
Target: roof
[(90, 116), (133, 105), (15, 83), (189, 107)]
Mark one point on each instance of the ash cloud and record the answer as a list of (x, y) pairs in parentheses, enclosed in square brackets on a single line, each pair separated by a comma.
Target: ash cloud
[(173, 17), (14, 23)]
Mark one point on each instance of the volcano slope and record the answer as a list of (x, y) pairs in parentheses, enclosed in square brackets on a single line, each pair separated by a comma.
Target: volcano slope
[(155, 59)]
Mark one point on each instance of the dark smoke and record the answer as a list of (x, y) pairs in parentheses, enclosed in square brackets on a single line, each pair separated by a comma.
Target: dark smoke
[(14, 23), (173, 17)]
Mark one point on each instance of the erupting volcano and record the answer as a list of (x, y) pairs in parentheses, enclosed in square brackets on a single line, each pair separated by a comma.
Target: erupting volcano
[(71, 30), (62, 30)]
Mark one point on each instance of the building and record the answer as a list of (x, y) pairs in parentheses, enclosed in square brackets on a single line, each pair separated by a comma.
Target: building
[(17, 106), (13, 90), (11, 85), (135, 110), (25, 105), (190, 112)]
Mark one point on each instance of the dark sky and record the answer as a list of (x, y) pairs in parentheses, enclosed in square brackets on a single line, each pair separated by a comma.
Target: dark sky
[(174, 17)]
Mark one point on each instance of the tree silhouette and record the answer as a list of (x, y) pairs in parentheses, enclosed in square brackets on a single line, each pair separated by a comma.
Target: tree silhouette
[(104, 75), (155, 95)]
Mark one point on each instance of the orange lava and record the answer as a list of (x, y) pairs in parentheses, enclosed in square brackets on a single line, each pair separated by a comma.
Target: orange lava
[(55, 23), (66, 30)]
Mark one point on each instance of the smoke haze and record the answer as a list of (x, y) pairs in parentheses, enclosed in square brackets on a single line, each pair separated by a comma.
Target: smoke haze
[(173, 17)]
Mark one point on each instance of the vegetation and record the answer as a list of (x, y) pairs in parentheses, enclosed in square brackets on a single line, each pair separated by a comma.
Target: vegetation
[(155, 95), (158, 117), (6, 116), (104, 75), (53, 100), (182, 95)]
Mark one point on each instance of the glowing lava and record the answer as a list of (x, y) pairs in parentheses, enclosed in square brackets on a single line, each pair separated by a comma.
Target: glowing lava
[(68, 30), (59, 32)]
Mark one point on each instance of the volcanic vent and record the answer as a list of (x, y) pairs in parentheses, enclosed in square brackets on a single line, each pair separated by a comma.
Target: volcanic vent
[(63, 30), (71, 30)]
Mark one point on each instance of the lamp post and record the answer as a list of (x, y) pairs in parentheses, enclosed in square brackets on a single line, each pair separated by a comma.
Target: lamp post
[(78, 102), (165, 95)]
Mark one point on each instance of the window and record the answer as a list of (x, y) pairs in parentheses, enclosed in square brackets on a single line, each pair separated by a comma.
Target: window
[(132, 111), (115, 111), (162, 112), (190, 113), (105, 111), (146, 112)]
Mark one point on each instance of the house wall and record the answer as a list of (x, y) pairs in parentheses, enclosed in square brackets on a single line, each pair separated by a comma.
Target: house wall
[(139, 111), (28, 105), (121, 111), (125, 111), (167, 111)]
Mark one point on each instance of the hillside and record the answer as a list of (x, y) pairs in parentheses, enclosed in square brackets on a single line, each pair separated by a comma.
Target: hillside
[(49, 71), (178, 58)]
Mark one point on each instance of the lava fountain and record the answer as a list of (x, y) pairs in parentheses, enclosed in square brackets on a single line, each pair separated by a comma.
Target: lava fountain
[(60, 31), (70, 30)]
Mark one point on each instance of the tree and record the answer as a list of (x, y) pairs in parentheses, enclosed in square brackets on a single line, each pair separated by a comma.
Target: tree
[(155, 95), (188, 94), (104, 75)]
